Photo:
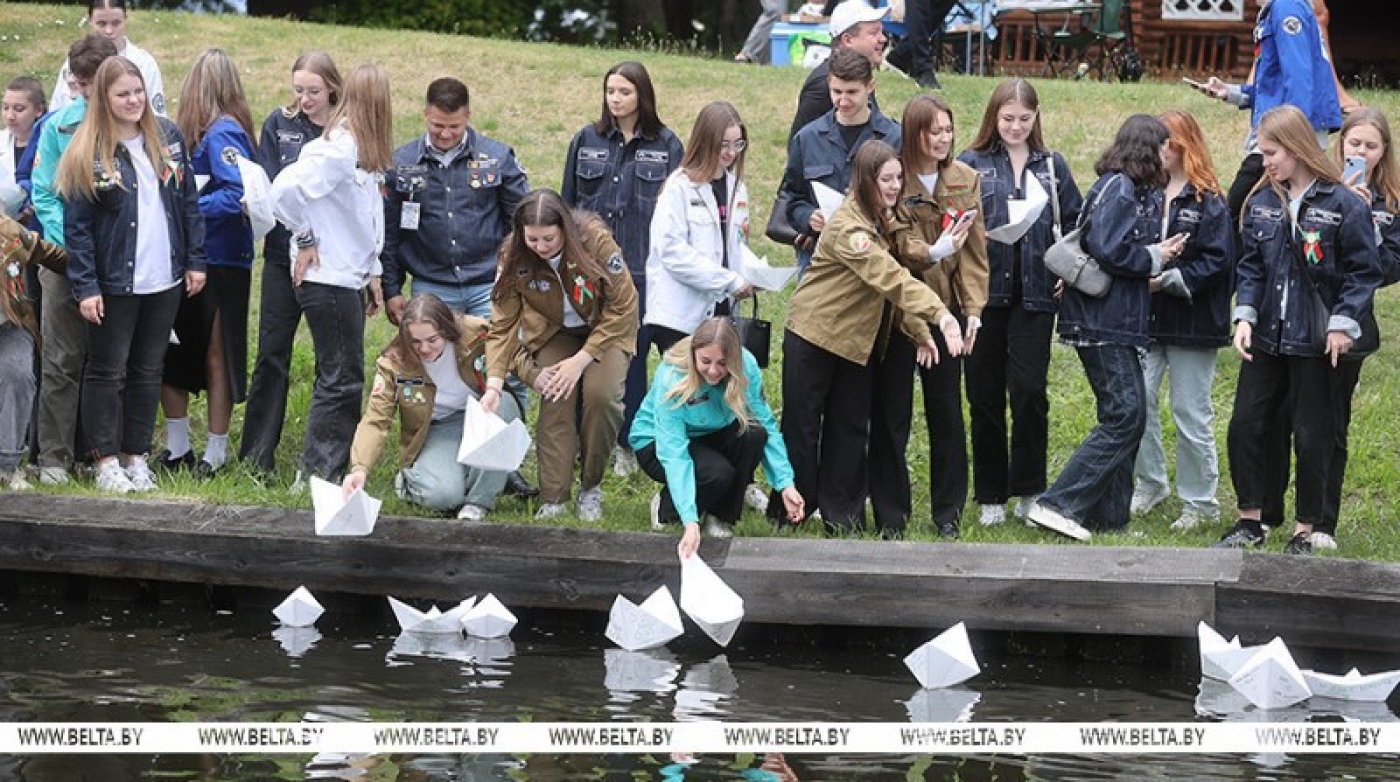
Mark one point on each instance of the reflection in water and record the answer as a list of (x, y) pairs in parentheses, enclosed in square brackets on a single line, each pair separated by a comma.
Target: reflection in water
[(950, 705), (296, 641), (1218, 700), (704, 691), (653, 670)]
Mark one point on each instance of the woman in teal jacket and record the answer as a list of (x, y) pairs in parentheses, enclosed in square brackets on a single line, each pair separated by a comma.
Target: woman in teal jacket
[(703, 429)]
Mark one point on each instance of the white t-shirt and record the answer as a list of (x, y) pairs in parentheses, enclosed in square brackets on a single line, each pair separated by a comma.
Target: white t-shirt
[(929, 181), (152, 272), (572, 319), (452, 393)]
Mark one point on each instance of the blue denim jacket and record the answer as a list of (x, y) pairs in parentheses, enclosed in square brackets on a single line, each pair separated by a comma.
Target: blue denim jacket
[(101, 232), (619, 181), (1193, 308), (1335, 238), (279, 145), (1123, 223), (818, 153), (1036, 286), (464, 212), (1387, 238)]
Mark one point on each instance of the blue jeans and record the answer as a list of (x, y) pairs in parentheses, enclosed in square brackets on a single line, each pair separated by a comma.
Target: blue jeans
[(336, 318), (438, 481), (1197, 465), (1096, 486), (16, 392)]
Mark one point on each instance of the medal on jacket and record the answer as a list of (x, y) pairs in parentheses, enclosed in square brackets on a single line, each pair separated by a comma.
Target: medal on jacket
[(14, 283), (1312, 246), (583, 289)]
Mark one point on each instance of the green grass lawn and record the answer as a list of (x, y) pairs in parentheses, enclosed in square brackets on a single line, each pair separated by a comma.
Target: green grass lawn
[(536, 96)]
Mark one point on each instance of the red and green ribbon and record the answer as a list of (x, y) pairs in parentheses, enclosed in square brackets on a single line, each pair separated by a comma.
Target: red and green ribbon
[(583, 289), (1312, 246)]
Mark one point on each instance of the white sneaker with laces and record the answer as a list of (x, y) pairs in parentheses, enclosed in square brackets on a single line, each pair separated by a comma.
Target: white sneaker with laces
[(1144, 500), (54, 475), (590, 504), (1191, 519), (470, 512), (112, 478), (716, 528), (15, 480), (656, 525), (551, 510), (141, 477), (755, 497), (992, 515), (1321, 540), (1054, 520), (624, 462)]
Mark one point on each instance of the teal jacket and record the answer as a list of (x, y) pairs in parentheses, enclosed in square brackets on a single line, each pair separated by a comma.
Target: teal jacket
[(53, 140), (671, 427)]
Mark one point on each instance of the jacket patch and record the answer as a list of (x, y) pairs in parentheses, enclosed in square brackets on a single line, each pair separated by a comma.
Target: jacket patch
[(615, 264), (592, 153), (1322, 216), (289, 137), (1189, 216), (1383, 218), (1272, 214), (229, 156), (860, 241), (1292, 25), (653, 156)]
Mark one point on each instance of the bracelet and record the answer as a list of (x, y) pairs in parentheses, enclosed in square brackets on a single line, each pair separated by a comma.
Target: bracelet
[(307, 239)]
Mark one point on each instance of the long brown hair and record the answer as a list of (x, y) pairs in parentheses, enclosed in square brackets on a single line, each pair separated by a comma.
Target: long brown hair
[(649, 124), (542, 208), (1189, 142), (865, 179), (320, 64), (1386, 178), (920, 116), (423, 308), (212, 90), (1288, 127), (1010, 91), (97, 137), (701, 161), (714, 331), (365, 107)]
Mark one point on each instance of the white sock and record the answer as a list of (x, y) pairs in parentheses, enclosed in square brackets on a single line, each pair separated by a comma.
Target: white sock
[(177, 436), (216, 451)]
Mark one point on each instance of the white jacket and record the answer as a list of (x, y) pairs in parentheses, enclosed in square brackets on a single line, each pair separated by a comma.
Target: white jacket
[(685, 272), (7, 154), (327, 192), (144, 62)]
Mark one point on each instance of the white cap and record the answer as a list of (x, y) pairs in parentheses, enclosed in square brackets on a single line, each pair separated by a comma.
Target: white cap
[(851, 13)]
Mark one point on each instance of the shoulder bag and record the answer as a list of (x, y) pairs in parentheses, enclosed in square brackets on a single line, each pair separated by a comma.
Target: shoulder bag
[(1067, 257), (778, 228)]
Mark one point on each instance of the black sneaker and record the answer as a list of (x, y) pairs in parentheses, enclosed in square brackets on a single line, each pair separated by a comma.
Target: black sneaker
[(1245, 534), (948, 530), (1299, 545), (168, 463), (928, 81), (517, 486)]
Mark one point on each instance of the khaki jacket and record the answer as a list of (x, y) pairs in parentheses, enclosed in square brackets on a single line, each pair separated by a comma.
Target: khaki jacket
[(532, 311), (839, 304), (962, 278), (20, 247), (403, 387)]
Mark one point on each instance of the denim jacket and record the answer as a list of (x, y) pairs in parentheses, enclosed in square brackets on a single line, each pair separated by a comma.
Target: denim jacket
[(818, 153), (283, 135), (1124, 225), (1335, 238), (1387, 238), (1036, 285), (619, 181), (101, 232), (1193, 307), (463, 212)]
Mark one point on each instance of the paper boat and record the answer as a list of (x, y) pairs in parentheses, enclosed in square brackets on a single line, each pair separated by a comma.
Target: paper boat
[(1354, 686), (828, 199), (1219, 700), (433, 621), (296, 641), (653, 623), (1219, 658), (1022, 213), (948, 705), (945, 661), (1270, 679), (300, 609), (759, 274), (335, 515), (257, 197), (489, 443), (653, 670), (489, 619), (707, 600)]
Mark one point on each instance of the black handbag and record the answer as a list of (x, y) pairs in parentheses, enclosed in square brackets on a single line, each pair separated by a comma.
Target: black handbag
[(779, 229), (755, 333)]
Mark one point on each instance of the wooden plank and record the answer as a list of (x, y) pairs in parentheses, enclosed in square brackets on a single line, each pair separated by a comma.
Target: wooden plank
[(1314, 601)]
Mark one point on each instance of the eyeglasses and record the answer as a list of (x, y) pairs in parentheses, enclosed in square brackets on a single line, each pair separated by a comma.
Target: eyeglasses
[(733, 146)]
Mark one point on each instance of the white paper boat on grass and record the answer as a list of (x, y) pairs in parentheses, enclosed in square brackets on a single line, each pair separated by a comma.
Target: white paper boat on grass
[(296, 641), (489, 619), (653, 670), (336, 515), (707, 600), (946, 705), (1270, 679), (489, 443), (300, 609), (759, 274), (1354, 686), (945, 661), (653, 623), (432, 621)]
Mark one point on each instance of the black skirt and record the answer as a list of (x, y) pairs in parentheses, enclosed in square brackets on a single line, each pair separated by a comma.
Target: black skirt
[(225, 294)]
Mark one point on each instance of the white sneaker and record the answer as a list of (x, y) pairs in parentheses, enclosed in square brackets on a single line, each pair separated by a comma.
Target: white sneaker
[(1321, 540), (1191, 519), (54, 475), (551, 510), (716, 528), (300, 486), (656, 525), (755, 497), (15, 480), (992, 515), (624, 462), (1023, 507), (1054, 520), (470, 512), (1144, 500), (112, 478), (140, 475), (590, 504)]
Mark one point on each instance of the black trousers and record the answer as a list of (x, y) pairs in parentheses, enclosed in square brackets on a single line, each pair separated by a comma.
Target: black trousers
[(922, 21), (1251, 170), (1011, 364), (947, 436), (724, 465), (891, 415)]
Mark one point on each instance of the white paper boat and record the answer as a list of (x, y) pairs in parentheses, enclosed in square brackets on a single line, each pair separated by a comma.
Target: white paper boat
[(828, 200), (653, 623), (653, 670), (489, 443), (336, 515), (1021, 213), (709, 601), (1219, 700), (300, 609), (947, 705), (1270, 679), (1354, 686), (257, 197), (432, 621), (945, 661), (759, 274), (296, 641), (1220, 658), (489, 619)]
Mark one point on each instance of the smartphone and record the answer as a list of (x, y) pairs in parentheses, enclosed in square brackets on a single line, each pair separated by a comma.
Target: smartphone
[(967, 217), (1355, 165), (1193, 83)]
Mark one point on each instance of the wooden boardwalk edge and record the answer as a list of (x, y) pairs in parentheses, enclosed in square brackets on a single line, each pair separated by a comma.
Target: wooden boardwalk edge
[(1164, 592)]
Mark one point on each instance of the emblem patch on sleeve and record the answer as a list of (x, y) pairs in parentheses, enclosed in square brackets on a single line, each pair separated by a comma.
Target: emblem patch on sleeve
[(860, 241), (230, 156), (1292, 25), (615, 264)]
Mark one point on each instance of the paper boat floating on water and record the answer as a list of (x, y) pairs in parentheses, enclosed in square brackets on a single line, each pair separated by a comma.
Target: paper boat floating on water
[(1270, 679), (707, 600), (336, 515), (433, 621), (1354, 686), (653, 623), (489, 443), (296, 641), (300, 609), (1220, 659), (489, 619), (945, 661)]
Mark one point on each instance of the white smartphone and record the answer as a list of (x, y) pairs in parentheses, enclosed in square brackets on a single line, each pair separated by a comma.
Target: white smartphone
[(1193, 83), (1355, 165), (967, 217)]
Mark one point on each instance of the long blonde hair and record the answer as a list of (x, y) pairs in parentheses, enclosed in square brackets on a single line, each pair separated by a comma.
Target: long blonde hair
[(711, 332), (1288, 127), (212, 90), (1386, 178), (701, 161), (365, 106), (97, 137)]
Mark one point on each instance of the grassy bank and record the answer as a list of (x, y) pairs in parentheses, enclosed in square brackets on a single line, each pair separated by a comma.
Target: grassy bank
[(535, 96)]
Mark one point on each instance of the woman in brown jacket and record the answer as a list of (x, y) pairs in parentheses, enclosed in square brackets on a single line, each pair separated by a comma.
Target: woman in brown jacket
[(564, 312), (840, 322)]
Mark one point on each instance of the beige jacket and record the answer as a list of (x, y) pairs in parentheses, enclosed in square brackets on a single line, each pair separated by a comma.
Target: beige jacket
[(961, 279)]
